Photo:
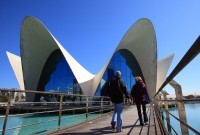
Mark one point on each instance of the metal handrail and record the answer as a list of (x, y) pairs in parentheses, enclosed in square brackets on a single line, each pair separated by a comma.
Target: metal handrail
[(183, 123), (98, 101), (170, 125), (179, 100), (48, 111), (53, 93), (162, 127), (30, 124), (47, 120), (187, 58)]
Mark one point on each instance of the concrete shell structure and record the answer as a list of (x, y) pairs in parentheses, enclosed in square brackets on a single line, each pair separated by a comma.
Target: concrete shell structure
[(162, 68), (15, 62), (140, 40), (37, 43)]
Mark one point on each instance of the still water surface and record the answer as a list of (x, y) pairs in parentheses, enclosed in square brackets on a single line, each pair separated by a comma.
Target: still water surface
[(43, 128), (192, 114)]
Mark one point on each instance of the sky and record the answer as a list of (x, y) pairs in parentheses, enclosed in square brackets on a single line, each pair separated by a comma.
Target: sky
[(90, 30)]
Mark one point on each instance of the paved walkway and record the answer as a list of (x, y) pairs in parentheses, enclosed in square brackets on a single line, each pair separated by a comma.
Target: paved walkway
[(130, 126)]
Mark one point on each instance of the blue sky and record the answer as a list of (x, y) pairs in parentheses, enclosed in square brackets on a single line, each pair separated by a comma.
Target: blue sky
[(90, 30)]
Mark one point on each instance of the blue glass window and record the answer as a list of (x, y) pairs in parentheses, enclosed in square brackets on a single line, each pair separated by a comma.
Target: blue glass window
[(57, 76), (124, 61)]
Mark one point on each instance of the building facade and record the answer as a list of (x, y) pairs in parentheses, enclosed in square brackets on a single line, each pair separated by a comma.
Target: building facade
[(44, 65)]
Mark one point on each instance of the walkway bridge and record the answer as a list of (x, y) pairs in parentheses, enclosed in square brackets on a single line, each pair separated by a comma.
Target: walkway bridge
[(71, 114), (78, 114), (102, 125)]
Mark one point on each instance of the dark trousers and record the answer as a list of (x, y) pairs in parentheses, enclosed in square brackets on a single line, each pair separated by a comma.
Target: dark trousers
[(144, 112)]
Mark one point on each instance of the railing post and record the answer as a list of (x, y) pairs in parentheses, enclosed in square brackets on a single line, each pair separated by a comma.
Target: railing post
[(181, 106), (87, 99), (7, 113), (60, 110), (111, 106), (158, 103), (101, 106), (166, 111), (124, 102)]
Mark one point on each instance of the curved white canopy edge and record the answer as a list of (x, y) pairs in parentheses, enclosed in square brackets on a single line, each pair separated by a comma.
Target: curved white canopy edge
[(15, 62), (140, 40), (162, 69), (37, 43)]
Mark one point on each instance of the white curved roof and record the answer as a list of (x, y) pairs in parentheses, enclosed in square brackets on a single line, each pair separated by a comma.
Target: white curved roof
[(37, 44), (15, 62), (140, 40), (162, 68)]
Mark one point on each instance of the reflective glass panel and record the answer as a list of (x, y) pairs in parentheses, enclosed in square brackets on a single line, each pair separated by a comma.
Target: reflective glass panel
[(57, 76), (119, 62)]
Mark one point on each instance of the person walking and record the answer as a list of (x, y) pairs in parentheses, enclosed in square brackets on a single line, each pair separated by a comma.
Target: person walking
[(139, 94), (117, 90)]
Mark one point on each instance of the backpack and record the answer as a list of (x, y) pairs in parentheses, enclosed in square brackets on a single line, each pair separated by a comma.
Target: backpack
[(105, 91)]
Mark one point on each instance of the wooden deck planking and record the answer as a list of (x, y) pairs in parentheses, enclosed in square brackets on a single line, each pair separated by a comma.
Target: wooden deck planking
[(102, 125)]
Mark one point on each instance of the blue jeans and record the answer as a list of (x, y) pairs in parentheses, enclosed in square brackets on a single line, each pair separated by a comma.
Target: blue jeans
[(117, 115)]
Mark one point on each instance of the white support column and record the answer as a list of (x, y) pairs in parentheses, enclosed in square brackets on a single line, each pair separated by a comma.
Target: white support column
[(181, 106), (166, 110)]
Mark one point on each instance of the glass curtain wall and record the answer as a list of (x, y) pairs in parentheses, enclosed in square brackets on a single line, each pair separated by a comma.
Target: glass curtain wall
[(120, 62), (57, 76)]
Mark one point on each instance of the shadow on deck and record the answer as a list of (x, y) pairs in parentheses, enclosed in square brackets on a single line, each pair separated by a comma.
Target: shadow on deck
[(130, 125)]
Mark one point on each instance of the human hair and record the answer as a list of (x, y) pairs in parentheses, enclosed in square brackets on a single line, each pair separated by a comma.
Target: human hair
[(118, 73), (138, 78)]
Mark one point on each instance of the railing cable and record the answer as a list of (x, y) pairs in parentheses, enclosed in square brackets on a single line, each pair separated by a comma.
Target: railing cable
[(183, 123)]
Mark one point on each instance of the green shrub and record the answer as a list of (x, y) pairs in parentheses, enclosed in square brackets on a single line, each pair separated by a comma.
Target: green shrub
[(3, 98)]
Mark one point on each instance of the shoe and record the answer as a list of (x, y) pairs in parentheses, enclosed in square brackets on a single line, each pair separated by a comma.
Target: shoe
[(119, 131), (141, 124), (146, 123), (113, 130), (113, 127)]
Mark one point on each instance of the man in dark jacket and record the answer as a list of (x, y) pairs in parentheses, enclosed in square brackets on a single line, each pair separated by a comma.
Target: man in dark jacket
[(117, 90)]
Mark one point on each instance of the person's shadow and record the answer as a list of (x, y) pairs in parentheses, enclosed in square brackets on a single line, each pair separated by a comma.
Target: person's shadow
[(104, 130), (94, 131)]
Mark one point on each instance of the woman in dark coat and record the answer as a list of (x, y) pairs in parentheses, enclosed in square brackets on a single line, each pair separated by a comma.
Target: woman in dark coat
[(138, 91)]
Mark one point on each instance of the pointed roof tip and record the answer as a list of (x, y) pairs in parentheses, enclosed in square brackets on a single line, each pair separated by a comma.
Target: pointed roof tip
[(7, 52), (173, 54), (144, 19), (11, 54), (30, 17), (169, 56), (164, 92)]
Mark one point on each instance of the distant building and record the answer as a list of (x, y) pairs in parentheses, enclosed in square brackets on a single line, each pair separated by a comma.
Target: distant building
[(45, 65), (189, 97)]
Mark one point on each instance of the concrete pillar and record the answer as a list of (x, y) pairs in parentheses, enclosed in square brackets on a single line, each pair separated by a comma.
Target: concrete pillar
[(181, 106), (166, 110), (158, 103)]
